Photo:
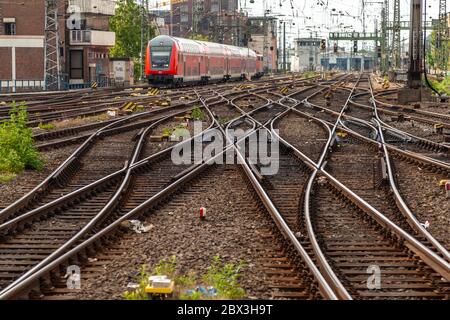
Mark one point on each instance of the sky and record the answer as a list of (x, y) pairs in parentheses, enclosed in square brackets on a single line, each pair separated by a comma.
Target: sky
[(320, 17)]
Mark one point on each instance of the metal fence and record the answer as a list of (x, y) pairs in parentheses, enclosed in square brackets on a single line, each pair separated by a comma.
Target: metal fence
[(10, 86)]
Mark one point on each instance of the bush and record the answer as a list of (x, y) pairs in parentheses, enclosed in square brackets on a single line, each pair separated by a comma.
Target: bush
[(16, 144), (442, 86), (197, 114), (47, 126), (139, 294), (225, 279)]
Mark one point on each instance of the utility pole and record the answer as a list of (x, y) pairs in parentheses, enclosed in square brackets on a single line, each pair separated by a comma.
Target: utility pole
[(442, 36), (51, 55), (284, 46), (415, 46), (142, 41), (197, 10), (265, 47), (396, 36), (384, 40)]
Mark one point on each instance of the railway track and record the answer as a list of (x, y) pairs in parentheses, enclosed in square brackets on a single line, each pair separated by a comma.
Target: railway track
[(304, 247), (259, 244)]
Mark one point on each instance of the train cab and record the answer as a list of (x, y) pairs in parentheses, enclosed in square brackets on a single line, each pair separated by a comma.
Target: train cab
[(161, 64)]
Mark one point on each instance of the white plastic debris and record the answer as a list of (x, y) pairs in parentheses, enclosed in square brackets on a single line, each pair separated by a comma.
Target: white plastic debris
[(138, 227), (159, 281), (426, 225), (132, 286)]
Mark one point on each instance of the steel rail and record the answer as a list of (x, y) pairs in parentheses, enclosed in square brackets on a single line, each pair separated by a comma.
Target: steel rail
[(24, 200), (25, 283), (109, 207), (324, 287), (411, 218)]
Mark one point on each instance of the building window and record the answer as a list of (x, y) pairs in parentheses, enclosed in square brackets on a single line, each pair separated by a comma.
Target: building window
[(10, 28), (184, 18), (76, 64)]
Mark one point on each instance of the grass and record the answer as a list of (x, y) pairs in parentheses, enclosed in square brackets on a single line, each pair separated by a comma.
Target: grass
[(7, 177), (442, 86), (73, 122), (309, 74), (47, 126), (139, 293), (16, 145), (197, 114), (224, 120), (224, 278)]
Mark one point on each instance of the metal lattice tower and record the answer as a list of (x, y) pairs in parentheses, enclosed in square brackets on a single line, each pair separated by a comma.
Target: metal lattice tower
[(442, 36), (396, 36), (51, 47), (145, 35), (197, 13), (384, 37)]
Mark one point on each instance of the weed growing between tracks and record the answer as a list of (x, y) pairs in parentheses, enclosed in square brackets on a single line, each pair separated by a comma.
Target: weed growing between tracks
[(442, 86), (197, 114), (222, 279), (16, 146), (46, 126)]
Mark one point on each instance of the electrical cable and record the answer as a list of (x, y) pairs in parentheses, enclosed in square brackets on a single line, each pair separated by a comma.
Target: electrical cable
[(425, 53)]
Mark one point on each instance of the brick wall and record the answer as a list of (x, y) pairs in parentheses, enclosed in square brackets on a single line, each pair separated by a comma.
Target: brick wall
[(5, 66), (31, 66), (29, 17)]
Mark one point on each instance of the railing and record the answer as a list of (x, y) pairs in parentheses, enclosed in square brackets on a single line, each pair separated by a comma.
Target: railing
[(92, 37), (80, 36), (8, 86)]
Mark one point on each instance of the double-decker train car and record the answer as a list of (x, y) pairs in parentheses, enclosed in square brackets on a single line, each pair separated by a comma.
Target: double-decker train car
[(180, 61)]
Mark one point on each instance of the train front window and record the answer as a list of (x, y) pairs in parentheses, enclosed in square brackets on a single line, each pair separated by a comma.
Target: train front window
[(160, 57)]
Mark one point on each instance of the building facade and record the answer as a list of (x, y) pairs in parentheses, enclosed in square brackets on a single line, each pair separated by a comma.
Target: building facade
[(81, 46), (22, 44), (219, 20), (88, 46), (262, 38), (306, 54)]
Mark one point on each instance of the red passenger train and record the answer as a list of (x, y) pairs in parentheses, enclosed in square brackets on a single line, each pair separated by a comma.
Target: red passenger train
[(179, 61)]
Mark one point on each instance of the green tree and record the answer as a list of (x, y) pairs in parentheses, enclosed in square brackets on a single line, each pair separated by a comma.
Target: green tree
[(199, 37), (126, 23), (434, 58)]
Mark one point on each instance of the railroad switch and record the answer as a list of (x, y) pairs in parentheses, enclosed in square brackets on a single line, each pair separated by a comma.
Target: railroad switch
[(163, 103), (129, 106), (439, 128), (400, 118), (160, 287), (153, 92), (342, 134), (447, 189), (156, 138), (284, 90), (442, 183)]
